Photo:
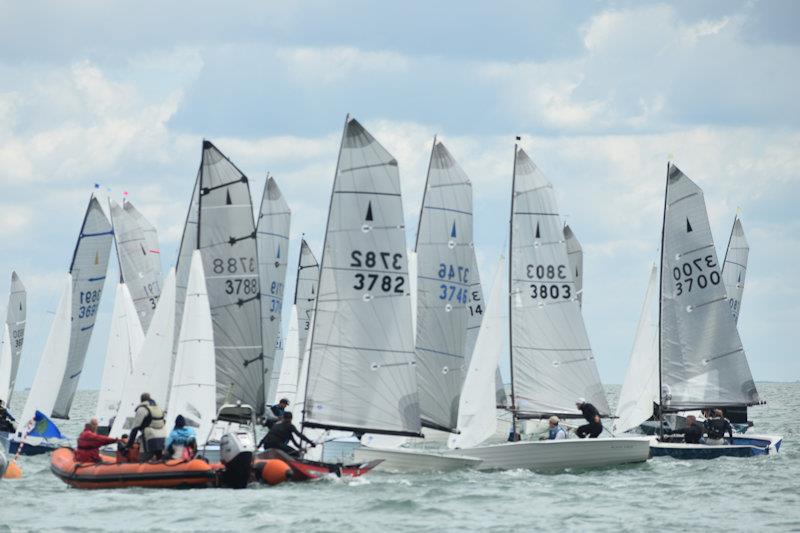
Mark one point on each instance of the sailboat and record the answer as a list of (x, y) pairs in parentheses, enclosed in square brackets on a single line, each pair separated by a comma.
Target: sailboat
[(734, 267), (702, 361), (88, 269), (272, 239), (15, 323), (551, 360), (575, 258)]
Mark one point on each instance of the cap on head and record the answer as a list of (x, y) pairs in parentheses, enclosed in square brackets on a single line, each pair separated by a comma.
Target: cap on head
[(144, 397), (554, 420), (180, 421), (284, 401), (580, 401)]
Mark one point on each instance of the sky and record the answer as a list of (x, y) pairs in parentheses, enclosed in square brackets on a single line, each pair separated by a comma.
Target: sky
[(602, 95)]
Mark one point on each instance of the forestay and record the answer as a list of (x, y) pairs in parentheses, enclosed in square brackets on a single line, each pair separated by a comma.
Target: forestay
[(53, 362), (703, 363), (305, 295), (575, 256), (152, 365), (124, 343), (227, 238), (88, 269), (445, 270), (15, 320), (361, 371), (274, 220), (194, 384), (734, 269), (552, 362), (477, 417), (640, 389), (136, 266)]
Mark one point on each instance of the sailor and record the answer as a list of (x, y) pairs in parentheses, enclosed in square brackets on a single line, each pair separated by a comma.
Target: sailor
[(149, 420), (275, 412), (184, 436), (6, 420), (90, 442), (716, 427), (592, 416), (281, 433), (693, 431), (555, 432)]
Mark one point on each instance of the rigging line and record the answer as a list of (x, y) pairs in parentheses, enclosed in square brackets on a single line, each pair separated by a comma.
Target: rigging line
[(726, 354), (443, 280), (206, 190), (440, 352), (365, 349), (394, 194), (724, 298), (536, 213), (729, 262), (683, 198), (364, 167), (697, 249), (448, 209), (284, 237), (233, 240)]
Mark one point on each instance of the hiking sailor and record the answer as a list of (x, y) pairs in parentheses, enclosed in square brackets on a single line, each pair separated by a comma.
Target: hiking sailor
[(281, 433), (6, 420), (149, 420), (275, 412), (592, 416)]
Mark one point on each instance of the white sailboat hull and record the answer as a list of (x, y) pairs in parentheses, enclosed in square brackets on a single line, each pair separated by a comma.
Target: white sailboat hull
[(409, 460), (549, 455)]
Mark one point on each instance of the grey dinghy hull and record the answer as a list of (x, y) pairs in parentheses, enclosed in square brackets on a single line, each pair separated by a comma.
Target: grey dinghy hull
[(741, 446), (411, 460), (554, 455)]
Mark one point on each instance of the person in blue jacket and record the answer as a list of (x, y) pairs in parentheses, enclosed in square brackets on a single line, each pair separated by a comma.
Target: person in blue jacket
[(181, 435)]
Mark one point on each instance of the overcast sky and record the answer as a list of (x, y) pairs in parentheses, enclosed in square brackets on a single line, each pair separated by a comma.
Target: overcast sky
[(603, 95)]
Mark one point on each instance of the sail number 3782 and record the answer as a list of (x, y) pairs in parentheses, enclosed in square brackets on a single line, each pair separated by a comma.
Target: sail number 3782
[(386, 261)]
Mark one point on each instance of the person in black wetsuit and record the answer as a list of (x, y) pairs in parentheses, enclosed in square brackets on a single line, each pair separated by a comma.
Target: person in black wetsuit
[(693, 431), (6, 420), (592, 416), (275, 412), (716, 427), (283, 432)]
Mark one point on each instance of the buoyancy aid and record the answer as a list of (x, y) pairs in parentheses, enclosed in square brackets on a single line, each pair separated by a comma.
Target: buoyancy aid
[(716, 428), (154, 418)]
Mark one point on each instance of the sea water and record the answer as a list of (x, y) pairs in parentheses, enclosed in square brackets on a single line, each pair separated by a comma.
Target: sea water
[(661, 494)]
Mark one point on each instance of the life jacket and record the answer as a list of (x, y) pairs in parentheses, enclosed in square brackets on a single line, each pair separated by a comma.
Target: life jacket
[(154, 418), (716, 428), (552, 434)]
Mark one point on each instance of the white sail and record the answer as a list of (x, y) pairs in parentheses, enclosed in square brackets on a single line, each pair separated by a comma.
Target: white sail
[(151, 370), (445, 270), (640, 389), (703, 363), (15, 320), (575, 256), (274, 220), (552, 362), (136, 266), (227, 238), (734, 268), (152, 245), (361, 373), (194, 385), (88, 269), (53, 362), (412, 289), (124, 342), (477, 417), (5, 364), (290, 366), (187, 247), (305, 294)]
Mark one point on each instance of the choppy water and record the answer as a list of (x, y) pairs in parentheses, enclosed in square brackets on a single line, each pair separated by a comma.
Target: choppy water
[(723, 494)]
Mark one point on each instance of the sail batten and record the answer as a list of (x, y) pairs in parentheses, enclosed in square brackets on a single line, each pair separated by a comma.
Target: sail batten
[(361, 374), (702, 359), (552, 360)]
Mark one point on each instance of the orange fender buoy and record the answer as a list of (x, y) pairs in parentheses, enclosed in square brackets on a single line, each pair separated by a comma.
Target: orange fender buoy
[(275, 472), (13, 471)]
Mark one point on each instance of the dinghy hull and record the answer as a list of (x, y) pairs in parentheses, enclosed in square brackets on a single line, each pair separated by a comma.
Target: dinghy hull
[(410, 460), (555, 455), (741, 446), (33, 446), (304, 470)]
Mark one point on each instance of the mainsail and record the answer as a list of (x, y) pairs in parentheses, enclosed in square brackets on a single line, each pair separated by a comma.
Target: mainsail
[(53, 362), (88, 269), (194, 385), (286, 386), (734, 268), (151, 369), (575, 256), (137, 269), (551, 361), (15, 321), (227, 238), (273, 249), (187, 247), (445, 270), (150, 237), (477, 419), (361, 373), (305, 294), (703, 363), (640, 388), (5, 364)]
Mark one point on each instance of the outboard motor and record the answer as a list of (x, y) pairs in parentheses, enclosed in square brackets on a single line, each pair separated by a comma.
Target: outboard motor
[(236, 451)]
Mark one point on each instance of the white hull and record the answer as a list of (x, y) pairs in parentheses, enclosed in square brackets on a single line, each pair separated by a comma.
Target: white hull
[(409, 460), (560, 454)]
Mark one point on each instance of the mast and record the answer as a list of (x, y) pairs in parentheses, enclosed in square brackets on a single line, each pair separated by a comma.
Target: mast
[(321, 266), (660, 299), (510, 265), (299, 266)]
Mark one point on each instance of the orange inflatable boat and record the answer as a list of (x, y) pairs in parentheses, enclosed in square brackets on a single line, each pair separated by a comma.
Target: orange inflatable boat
[(111, 473)]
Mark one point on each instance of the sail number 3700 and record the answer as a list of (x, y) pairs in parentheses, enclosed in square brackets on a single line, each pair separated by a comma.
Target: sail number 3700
[(386, 261), (695, 274)]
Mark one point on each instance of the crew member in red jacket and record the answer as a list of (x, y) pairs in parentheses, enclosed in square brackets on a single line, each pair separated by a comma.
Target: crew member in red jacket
[(90, 442)]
